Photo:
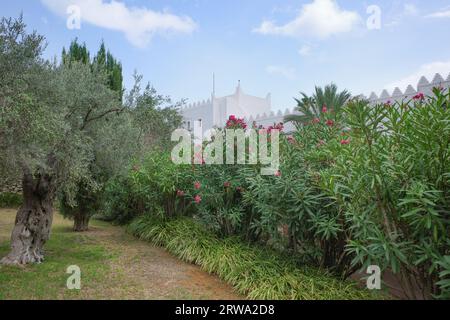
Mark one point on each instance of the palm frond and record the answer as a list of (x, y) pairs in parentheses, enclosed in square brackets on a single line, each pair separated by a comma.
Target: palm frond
[(310, 107)]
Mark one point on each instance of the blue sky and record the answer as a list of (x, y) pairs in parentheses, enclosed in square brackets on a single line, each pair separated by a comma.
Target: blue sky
[(282, 47)]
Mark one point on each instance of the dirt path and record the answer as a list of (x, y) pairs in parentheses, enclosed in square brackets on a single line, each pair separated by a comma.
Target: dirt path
[(157, 274), (138, 270)]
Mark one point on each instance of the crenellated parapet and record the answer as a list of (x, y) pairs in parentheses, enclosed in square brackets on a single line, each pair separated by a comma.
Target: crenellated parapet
[(276, 117), (196, 105), (424, 86)]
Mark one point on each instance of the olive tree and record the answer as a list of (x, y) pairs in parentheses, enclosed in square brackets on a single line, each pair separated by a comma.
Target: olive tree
[(115, 140), (47, 113), (154, 115), (115, 144)]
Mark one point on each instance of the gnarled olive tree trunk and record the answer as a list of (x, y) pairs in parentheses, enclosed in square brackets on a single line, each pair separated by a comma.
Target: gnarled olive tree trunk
[(33, 221), (81, 222)]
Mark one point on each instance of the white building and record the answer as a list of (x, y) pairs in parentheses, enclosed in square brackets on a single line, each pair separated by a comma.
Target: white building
[(215, 112)]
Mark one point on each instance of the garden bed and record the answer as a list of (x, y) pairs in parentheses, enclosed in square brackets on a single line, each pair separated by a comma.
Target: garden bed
[(253, 271)]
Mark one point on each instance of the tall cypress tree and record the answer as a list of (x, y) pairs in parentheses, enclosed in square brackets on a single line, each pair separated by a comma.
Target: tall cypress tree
[(77, 52), (104, 61), (100, 58)]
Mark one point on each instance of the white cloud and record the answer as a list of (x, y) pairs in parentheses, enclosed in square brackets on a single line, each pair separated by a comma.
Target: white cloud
[(410, 9), (445, 13), (286, 72), (321, 18), (428, 70), (138, 24), (305, 50)]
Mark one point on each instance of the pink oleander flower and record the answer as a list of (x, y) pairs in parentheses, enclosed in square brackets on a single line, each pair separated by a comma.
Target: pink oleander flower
[(291, 139), (198, 157), (324, 108), (235, 123), (330, 123), (316, 121), (321, 143), (345, 142), (180, 193), (419, 96), (279, 127), (278, 173), (197, 185), (198, 199), (227, 184)]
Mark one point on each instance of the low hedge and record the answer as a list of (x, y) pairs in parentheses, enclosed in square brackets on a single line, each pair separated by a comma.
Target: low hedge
[(10, 200), (254, 272)]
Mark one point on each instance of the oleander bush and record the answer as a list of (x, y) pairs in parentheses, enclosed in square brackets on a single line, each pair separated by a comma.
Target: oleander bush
[(392, 182), (293, 211)]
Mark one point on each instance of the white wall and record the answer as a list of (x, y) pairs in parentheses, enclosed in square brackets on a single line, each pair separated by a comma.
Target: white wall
[(197, 111)]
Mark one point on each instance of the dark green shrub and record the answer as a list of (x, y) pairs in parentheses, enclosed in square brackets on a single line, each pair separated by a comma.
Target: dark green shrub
[(156, 182), (151, 186), (10, 200), (120, 203)]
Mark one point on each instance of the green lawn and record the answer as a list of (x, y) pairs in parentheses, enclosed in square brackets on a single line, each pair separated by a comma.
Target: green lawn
[(114, 265), (48, 280)]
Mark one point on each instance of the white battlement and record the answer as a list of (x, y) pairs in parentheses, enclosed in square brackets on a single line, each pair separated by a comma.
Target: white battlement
[(424, 86), (272, 115), (195, 105)]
